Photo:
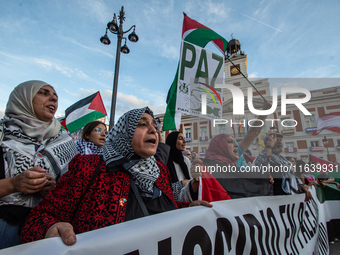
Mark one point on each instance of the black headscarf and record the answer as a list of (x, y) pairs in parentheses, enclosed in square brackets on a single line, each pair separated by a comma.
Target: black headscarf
[(175, 156)]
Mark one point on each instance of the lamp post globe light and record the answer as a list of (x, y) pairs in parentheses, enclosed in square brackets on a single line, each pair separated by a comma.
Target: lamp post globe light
[(117, 29)]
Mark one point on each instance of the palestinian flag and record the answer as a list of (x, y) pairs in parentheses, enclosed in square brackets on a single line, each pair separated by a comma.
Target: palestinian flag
[(330, 122), (326, 165), (200, 35), (84, 111)]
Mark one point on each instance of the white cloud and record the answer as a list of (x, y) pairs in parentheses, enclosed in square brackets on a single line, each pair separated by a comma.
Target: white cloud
[(167, 49), (2, 113), (67, 71), (217, 11), (96, 9), (253, 75), (94, 49), (46, 64)]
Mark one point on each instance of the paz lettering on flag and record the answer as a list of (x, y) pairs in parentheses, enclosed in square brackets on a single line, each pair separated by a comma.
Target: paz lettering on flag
[(199, 69), (200, 35), (329, 121), (84, 111)]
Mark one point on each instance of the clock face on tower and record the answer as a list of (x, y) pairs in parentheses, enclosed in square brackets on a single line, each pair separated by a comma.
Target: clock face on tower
[(234, 70)]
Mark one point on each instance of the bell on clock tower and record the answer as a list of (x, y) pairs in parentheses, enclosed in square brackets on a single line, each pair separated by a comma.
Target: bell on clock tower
[(238, 57), (234, 46)]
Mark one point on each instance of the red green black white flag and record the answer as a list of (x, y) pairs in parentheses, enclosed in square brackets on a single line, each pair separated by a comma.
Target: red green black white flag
[(84, 111)]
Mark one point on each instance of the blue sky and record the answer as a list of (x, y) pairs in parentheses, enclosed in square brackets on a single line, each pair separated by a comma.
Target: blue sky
[(58, 42)]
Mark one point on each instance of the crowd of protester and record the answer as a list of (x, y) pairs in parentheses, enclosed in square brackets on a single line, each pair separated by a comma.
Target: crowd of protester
[(51, 186)]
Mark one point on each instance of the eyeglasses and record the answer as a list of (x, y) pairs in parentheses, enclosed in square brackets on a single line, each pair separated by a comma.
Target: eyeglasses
[(98, 130)]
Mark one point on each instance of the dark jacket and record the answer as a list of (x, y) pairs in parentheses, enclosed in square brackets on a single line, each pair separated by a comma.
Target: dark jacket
[(240, 184)]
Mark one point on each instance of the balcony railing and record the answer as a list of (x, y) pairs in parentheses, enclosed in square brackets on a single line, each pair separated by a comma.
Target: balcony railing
[(316, 148), (310, 129), (203, 138)]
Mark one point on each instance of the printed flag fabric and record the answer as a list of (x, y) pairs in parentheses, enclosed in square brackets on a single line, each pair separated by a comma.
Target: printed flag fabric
[(200, 35), (330, 166), (172, 119), (330, 122), (82, 112), (210, 189)]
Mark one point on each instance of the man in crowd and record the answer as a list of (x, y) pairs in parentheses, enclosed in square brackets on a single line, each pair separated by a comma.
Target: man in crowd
[(285, 181)]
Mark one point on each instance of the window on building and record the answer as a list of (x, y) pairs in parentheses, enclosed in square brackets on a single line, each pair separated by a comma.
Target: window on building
[(310, 121), (204, 131), (188, 133), (289, 145), (287, 124), (314, 143), (222, 129), (338, 141)]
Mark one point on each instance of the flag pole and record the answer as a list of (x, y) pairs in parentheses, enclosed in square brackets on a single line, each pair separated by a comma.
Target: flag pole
[(226, 55)]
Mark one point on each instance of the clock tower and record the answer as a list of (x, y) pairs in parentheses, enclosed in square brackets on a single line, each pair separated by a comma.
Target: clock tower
[(238, 58), (233, 76)]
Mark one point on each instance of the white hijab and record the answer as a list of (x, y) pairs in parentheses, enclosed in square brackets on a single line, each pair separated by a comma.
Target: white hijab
[(20, 110)]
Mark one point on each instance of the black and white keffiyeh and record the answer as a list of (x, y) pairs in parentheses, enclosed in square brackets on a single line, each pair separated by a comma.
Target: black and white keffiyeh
[(87, 148), (30, 142), (118, 149), (22, 152)]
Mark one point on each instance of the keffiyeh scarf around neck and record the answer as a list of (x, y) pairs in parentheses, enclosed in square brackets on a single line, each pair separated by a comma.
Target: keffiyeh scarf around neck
[(289, 181), (22, 152), (87, 148), (118, 150)]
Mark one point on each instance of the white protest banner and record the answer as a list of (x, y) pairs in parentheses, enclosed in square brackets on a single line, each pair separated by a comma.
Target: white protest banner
[(199, 70), (256, 225)]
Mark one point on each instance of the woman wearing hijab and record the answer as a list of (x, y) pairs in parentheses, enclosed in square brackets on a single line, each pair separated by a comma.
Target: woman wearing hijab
[(35, 152), (178, 164), (93, 138), (129, 183), (222, 156)]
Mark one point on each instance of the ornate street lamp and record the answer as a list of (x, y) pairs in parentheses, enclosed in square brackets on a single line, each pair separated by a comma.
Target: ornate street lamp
[(325, 143), (116, 29)]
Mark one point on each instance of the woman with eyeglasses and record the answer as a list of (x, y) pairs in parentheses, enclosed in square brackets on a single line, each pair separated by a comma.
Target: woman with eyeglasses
[(93, 138)]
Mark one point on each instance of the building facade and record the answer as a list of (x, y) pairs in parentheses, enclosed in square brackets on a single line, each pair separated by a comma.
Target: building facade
[(296, 127)]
